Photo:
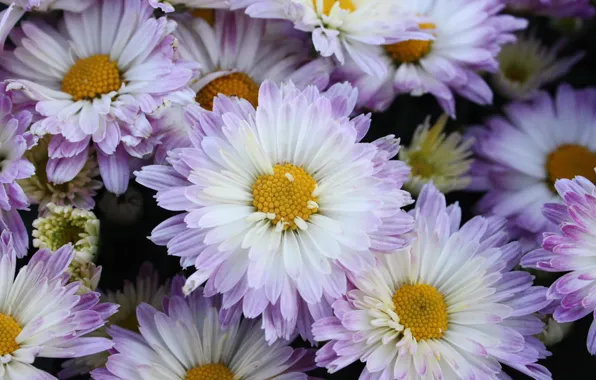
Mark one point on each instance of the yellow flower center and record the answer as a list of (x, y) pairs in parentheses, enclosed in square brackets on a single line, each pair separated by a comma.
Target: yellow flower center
[(286, 195), (9, 330), (206, 14), (348, 5), (422, 309), (235, 84), (411, 50), (91, 77), (210, 372), (571, 160)]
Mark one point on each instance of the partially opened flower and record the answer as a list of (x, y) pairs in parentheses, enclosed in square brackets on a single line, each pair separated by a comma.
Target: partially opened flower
[(344, 28), (468, 37), (279, 203), (526, 65), (447, 307), (146, 289), (433, 155), (14, 141), (41, 315), (554, 8), (522, 154), (168, 5), (78, 192), (95, 82), (571, 249), (67, 225), (187, 342)]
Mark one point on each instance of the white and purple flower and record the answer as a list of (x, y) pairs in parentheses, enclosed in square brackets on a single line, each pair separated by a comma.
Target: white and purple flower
[(279, 203), (95, 81), (41, 315), (447, 307), (345, 28), (236, 55), (14, 141), (571, 249), (188, 342), (521, 155), (468, 36)]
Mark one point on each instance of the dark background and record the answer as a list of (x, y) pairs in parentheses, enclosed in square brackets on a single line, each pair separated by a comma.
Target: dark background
[(124, 248)]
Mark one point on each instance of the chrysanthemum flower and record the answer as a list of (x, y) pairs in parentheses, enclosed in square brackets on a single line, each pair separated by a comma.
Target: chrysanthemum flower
[(236, 55), (280, 202), (523, 154), (146, 289), (447, 307), (95, 81), (188, 342), (344, 28), (468, 36), (67, 225), (42, 316), (554, 8), (40, 189), (438, 157), (571, 249), (527, 65), (168, 5), (14, 141)]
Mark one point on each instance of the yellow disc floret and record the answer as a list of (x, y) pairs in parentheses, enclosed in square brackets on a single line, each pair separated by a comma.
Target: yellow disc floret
[(571, 160), (210, 372), (411, 50), (422, 309), (348, 5), (235, 84), (286, 195), (9, 330), (91, 77)]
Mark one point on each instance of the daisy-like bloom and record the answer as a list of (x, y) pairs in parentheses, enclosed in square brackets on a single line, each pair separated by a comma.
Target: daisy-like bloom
[(41, 190), (521, 155), (554, 8), (527, 65), (187, 342), (168, 5), (237, 55), (41, 315), (435, 156), (344, 28), (94, 83), (280, 202), (447, 307), (14, 141), (147, 290), (468, 37), (67, 225), (570, 249)]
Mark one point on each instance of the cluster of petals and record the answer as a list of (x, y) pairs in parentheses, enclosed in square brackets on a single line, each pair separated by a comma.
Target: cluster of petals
[(115, 123), (288, 276), (571, 249)]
